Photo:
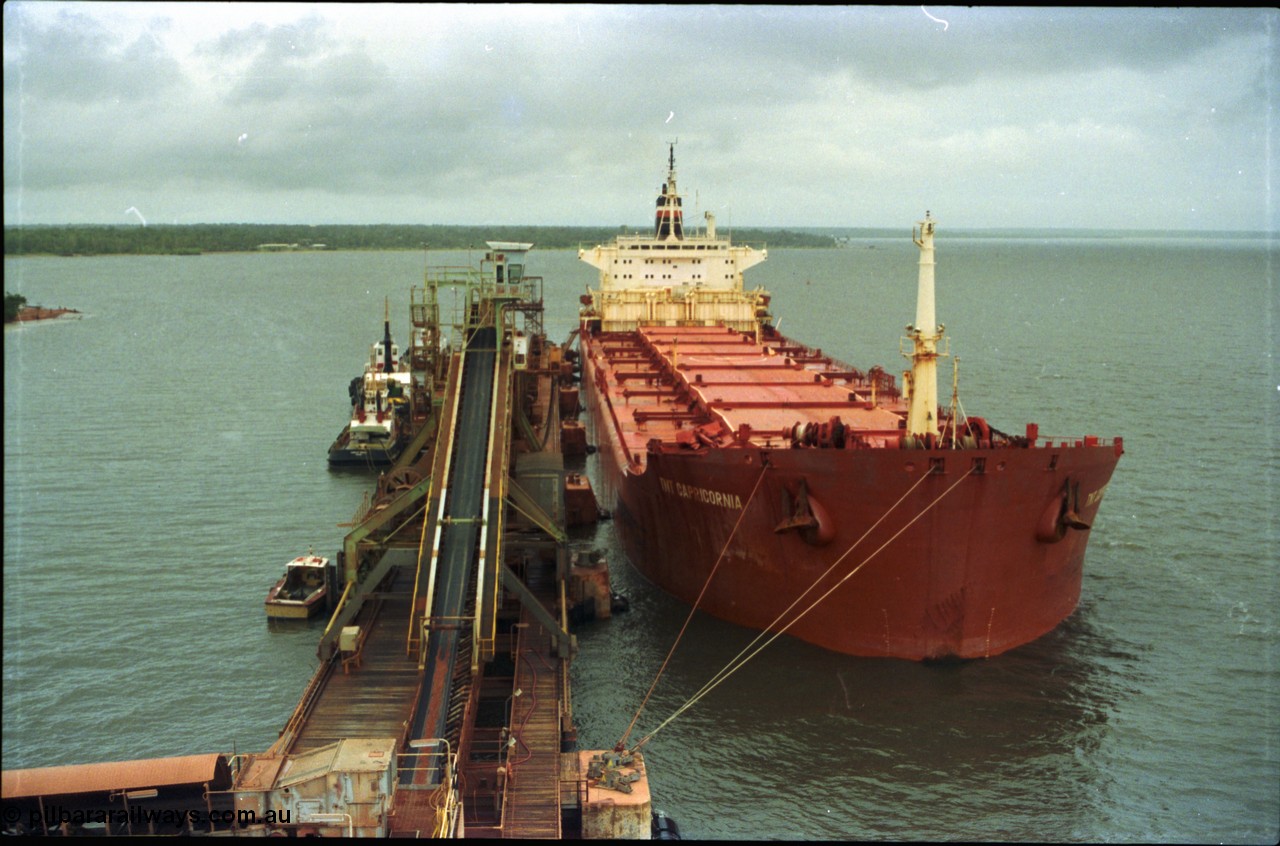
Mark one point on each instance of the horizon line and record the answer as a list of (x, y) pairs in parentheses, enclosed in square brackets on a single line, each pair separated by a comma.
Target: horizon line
[(775, 227)]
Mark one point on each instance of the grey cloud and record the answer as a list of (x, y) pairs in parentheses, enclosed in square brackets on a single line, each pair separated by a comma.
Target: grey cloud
[(77, 60), (905, 47), (798, 111), (296, 41), (295, 62)]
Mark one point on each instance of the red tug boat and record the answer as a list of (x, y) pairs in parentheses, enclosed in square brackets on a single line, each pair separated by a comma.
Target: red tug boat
[(780, 489)]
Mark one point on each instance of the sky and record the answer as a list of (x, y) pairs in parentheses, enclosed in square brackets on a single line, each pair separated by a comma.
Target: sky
[(782, 116)]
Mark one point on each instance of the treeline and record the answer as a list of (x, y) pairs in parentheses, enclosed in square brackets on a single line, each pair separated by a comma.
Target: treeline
[(193, 239), (13, 303)]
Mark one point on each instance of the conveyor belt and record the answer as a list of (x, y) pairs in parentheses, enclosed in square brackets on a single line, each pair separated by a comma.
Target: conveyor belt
[(459, 536)]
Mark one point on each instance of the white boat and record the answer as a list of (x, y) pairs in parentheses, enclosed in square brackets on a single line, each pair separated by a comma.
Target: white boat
[(300, 593)]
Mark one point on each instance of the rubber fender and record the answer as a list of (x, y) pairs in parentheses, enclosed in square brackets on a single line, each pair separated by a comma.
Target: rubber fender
[(664, 828)]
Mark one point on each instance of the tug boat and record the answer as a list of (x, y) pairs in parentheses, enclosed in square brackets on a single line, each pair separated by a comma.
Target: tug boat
[(381, 415), (300, 593), (780, 489)]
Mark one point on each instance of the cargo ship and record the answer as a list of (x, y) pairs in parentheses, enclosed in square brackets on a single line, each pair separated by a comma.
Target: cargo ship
[(381, 410), (780, 489)]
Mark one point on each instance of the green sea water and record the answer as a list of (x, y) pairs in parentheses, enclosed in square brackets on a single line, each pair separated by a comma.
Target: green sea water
[(165, 455)]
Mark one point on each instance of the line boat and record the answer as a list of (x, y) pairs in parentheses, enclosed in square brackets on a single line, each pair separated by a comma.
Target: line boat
[(783, 490), (381, 410), (300, 593)]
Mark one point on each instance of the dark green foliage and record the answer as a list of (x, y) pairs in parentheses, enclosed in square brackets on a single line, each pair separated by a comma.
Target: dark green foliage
[(194, 239), (13, 304)]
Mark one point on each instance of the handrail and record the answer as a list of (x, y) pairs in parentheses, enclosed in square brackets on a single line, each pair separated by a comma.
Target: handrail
[(302, 711), (337, 609), (506, 763), (446, 816)]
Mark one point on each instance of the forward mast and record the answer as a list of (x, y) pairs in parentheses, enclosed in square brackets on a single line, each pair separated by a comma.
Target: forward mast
[(924, 334)]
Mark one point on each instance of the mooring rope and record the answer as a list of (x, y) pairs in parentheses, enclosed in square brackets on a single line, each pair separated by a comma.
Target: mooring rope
[(738, 662), (692, 609), (765, 631)]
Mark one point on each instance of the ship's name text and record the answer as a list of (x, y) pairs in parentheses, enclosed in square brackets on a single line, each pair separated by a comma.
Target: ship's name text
[(703, 495), (1094, 497)]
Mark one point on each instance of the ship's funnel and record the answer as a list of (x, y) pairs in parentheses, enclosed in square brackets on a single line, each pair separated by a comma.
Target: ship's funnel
[(668, 220), (386, 338)]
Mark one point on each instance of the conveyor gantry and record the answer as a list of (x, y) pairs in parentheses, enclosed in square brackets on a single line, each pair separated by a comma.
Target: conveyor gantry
[(414, 654), (419, 653)]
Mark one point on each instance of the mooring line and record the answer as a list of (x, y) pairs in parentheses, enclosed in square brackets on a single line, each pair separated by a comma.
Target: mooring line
[(765, 631), (733, 667), (622, 743)]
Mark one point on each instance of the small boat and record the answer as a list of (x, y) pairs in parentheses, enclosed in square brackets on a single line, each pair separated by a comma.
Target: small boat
[(381, 412), (300, 593)]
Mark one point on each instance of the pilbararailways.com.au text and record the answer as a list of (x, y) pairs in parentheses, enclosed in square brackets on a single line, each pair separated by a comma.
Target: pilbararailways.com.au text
[(55, 816)]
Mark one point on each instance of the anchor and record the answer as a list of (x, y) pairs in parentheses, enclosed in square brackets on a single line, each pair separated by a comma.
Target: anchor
[(800, 514), (1070, 515)]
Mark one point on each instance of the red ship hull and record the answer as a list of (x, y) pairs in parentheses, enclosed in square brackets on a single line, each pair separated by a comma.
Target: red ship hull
[(778, 488), (909, 553)]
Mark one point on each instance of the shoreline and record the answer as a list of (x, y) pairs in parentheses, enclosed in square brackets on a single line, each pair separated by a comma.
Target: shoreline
[(28, 314)]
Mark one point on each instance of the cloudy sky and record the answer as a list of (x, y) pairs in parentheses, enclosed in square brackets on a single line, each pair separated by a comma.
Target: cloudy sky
[(560, 115)]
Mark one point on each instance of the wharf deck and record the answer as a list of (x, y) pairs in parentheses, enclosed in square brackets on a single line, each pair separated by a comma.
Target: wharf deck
[(375, 697), (532, 808)]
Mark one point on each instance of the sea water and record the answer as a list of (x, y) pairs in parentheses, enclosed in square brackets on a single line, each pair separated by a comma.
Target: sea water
[(165, 456)]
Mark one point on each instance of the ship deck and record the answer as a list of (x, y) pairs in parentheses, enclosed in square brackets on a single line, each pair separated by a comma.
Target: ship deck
[(679, 384)]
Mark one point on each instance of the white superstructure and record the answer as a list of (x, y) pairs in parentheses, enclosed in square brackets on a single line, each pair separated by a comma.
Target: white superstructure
[(673, 279)]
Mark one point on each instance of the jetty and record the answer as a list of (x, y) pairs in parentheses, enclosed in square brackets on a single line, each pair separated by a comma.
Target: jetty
[(442, 703)]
